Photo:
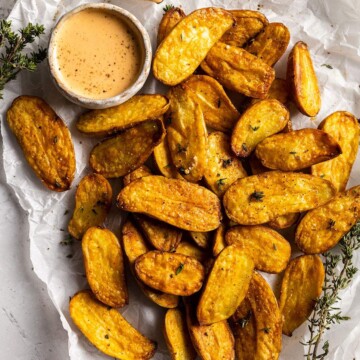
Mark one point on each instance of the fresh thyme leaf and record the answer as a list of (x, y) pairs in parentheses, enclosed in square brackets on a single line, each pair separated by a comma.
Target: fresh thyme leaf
[(179, 269), (245, 320), (266, 330), (180, 148), (226, 162), (220, 182), (244, 147), (254, 128), (256, 196), (55, 139), (168, 7), (331, 224), (328, 66), (183, 171), (274, 247), (94, 211), (292, 152)]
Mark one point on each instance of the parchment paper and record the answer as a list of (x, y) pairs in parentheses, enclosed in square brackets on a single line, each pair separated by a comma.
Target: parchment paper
[(331, 28)]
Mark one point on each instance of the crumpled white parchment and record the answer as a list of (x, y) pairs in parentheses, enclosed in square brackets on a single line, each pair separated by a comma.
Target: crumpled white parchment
[(331, 28)]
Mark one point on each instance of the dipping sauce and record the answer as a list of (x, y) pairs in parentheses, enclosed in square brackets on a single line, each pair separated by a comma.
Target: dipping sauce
[(97, 54)]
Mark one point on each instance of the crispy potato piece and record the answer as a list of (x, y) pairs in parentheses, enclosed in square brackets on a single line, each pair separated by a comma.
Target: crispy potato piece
[(182, 51), (301, 286), (127, 151), (226, 286), (223, 167), (256, 166), (117, 118), (297, 149), (261, 198), (343, 127), (104, 266), (218, 110), (108, 330), (322, 228), (185, 205), (189, 249), (269, 250), (138, 173), (177, 336), (238, 70), (169, 20), (92, 204), (187, 134), (284, 221), (45, 141), (202, 239), (219, 240), (135, 246), (171, 273), (270, 44), (302, 80), (278, 90), (248, 24), (263, 119)]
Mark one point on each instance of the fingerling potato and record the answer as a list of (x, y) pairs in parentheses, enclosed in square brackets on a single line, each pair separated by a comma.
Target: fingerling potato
[(189, 249), (201, 239), (138, 173), (169, 20)]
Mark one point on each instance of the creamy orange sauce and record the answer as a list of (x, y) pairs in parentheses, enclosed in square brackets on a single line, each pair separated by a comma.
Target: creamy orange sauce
[(97, 54)]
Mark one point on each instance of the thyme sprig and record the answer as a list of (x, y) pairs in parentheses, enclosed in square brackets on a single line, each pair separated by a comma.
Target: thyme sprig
[(326, 312), (12, 56)]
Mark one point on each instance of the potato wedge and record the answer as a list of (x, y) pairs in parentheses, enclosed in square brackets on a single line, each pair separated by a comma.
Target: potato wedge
[(301, 286), (127, 151), (218, 110), (134, 246), (169, 20), (268, 249), (92, 204), (322, 228), (185, 205), (284, 221), (138, 173), (238, 70), (278, 90), (189, 249), (201, 239), (263, 119), (177, 336), (223, 167), (343, 127), (270, 44), (219, 240), (297, 149), (45, 141), (261, 198), (186, 46), (302, 80), (104, 266), (248, 24), (171, 273), (108, 330), (117, 118), (226, 286), (187, 134)]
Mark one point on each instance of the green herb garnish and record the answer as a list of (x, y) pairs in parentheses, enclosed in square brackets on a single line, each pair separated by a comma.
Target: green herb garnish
[(179, 269), (256, 196)]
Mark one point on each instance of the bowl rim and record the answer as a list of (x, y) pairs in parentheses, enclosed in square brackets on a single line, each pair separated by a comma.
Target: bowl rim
[(125, 94)]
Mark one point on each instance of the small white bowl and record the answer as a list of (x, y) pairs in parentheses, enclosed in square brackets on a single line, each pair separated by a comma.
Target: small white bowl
[(145, 47)]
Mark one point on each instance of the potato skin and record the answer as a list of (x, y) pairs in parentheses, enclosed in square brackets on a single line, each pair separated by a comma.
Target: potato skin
[(92, 204), (189, 249), (138, 173), (297, 149), (174, 59), (301, 286), (284, 221), (219, 240), (45, 141), (201, 239), (169, 20), (344, 128), (107, 330), (176, 202), (104, 266), (322, 228)]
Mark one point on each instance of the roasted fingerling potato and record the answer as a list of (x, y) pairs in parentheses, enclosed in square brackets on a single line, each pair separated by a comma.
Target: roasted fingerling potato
[(169, 20)]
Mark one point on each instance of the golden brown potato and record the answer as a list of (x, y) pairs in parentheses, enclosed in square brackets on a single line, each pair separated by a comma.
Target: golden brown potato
[(117, 118), (226, 286), (219, 240), (189, 249), (92, 203), (268, 249), (238, 70), (218, 110), (322, 228), (223, 168), (256, 166), (104, 266), (171, 273), (169, 20), (187, 134), (127, 151), (202, 239), (297, 149), (302, 80), (108, 330), (278, 90), (138, 173), (270, 44), (248, 24), (182, 51), (343, 127), (301, 286), (45, 141), (261, 198), (263, 119), (177, 336), (284, 221), (180, 203), (134, 246)]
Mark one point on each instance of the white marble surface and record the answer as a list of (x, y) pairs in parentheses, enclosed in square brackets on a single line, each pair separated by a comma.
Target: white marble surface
[(30, 328)]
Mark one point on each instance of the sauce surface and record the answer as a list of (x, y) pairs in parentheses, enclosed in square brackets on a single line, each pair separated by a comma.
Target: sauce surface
[(97, 54)]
